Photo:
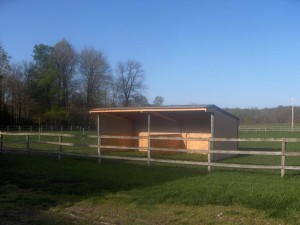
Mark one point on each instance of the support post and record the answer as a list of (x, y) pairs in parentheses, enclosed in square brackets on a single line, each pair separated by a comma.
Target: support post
[(212, 134), (99, 139), (283, 146), (209, 156), (149, 140)]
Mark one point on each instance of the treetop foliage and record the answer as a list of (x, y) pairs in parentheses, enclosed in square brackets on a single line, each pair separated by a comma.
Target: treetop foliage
[(60, 85)]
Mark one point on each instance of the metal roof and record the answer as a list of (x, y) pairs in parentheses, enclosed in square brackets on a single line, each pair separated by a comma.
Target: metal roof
[(154, 108), (172, 108)]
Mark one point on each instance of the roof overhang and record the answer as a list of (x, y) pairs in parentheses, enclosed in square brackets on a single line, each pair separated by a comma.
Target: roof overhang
[(150, 109), (172, 113)]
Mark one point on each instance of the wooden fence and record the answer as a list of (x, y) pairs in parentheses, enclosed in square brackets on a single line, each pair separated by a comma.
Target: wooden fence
[(269, 128), (210, 152)]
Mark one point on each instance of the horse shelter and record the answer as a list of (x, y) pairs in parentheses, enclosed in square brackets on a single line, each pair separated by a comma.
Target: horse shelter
[(170, 127)]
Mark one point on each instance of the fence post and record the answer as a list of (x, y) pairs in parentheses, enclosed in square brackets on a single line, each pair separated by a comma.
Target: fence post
[(27, 144), (209, 156), (99, 139), (59, 147), (283, 146), (149, 144)]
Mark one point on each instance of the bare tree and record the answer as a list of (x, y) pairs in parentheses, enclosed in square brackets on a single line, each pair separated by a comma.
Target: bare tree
[(95, 71), (158, 101), (4, 70), (130, 81)]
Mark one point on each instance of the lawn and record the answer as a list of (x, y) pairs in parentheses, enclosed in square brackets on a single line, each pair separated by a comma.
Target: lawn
[(43, 190), (267, 146)]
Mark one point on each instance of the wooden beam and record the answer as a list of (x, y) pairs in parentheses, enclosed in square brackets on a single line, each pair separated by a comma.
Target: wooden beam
[(149, 140), (147, 110)]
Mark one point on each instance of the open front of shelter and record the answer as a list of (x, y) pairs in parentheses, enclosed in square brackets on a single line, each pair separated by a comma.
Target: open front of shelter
[(170, 129)]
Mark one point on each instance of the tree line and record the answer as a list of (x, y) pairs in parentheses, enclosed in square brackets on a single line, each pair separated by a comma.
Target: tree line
[(276, 115), (60, 85)]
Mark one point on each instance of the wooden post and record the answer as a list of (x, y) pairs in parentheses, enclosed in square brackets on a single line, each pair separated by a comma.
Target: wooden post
[(149, 144), (59, 147), (283, 146), (212, 133), (209, 156), (99, 139), (27, 144)]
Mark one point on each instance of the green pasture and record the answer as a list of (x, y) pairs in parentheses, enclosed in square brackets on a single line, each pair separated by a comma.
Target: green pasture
[(267, 146), (43, 190)]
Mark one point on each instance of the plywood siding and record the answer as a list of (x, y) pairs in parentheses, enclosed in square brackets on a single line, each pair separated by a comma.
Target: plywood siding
[(117, 142), (115, 125), (201, 145), (185, 128), (176, 144), (111, 125)]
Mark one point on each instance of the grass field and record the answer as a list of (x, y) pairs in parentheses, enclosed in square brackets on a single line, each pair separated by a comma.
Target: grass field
[(42, 190), (267, 146)]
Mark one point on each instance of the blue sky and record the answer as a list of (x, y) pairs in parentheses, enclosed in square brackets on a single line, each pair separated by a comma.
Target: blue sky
[(231, 53)]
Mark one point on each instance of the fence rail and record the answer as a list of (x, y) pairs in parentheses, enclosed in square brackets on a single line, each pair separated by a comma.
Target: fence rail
[(45, 128), (53, 128), (28, 140), (269, 128)]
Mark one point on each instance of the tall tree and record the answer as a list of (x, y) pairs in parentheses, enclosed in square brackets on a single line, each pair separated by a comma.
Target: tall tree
[(65, 59), (130, 81), (16, 96), (4, 70), (4, 61), (95, 72), (42, 80)]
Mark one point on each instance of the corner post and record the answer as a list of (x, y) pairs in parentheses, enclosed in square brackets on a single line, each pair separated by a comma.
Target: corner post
[(149, 140), (99, 139), (209, 156), (283, 147), (212, 134)]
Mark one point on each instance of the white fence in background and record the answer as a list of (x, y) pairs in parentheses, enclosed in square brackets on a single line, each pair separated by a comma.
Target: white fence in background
[(43, 128), (268, 128)]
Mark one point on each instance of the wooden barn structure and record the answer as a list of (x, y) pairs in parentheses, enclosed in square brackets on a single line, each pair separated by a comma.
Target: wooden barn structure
[(181, 124)]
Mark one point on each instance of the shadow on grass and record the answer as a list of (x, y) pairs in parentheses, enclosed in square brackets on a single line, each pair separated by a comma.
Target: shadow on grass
[(32, 185)]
